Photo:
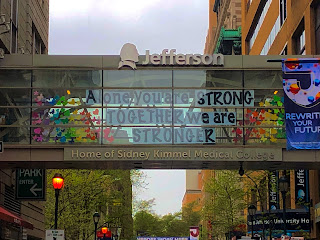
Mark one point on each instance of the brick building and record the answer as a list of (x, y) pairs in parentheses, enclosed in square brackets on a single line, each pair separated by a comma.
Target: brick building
[(24, 28), (224, 32)]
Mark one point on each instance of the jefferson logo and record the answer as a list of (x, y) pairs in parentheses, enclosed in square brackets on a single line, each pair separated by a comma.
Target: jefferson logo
[(182, 59), (129, 56)]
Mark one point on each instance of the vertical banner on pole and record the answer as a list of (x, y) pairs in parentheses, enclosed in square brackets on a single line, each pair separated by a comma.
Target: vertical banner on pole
[(301, 177), (301, 85), (273, 190), (194, 233)]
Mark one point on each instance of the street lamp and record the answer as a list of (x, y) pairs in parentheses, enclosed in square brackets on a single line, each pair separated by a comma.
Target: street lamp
[(284, 188), (252, 211), (57, 182), (96, 218)]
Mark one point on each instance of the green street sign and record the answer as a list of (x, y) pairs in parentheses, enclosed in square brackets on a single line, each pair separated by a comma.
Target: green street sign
[(30, 184)]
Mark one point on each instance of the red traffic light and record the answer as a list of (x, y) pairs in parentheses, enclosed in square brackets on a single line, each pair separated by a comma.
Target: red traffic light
[(104, 230)]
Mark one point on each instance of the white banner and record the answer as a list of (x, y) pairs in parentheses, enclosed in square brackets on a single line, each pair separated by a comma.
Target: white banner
[(55, 234)]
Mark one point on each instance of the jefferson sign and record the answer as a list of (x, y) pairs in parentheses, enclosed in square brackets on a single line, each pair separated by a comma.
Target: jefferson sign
[(182, 59), (129, 56)]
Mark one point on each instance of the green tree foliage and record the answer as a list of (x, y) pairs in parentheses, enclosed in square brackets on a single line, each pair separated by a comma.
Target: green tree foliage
[(146, 223), (190, 216), (108, 192), (174, 226), (143, 205), (224, 204)]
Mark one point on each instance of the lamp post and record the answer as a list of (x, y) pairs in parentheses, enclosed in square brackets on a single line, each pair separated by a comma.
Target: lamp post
[(96, 218), (284, 187), (252, 211), (57, 182)]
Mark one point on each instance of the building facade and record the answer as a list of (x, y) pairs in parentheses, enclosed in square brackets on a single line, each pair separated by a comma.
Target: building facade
[(193, 189), (224, 32), (24, 28), (280, 27)]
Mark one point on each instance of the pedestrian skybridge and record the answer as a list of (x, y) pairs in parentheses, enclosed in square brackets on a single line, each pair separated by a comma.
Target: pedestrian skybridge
[(84, 112)]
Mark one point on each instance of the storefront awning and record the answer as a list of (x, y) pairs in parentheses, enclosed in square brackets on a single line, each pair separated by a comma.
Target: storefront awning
[(12, 218)]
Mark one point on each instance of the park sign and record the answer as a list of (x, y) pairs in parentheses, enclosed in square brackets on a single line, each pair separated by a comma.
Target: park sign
[(30, 184)]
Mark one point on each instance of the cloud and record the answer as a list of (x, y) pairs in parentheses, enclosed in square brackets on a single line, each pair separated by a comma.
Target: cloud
[(167, 187), (98, 29)]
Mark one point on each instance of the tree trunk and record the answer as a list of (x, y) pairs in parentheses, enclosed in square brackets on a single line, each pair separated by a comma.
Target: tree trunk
[(126, 220)]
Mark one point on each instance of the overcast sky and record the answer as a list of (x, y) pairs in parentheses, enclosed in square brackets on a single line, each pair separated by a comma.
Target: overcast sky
[(101, 27)]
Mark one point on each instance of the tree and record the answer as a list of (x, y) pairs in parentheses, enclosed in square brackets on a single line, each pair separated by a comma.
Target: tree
[(85, 192), (143, 205), (147, 224), (190, 216), (174, 226), (225, 203)]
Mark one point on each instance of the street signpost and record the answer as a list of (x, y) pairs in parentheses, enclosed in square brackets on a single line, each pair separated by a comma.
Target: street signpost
[(114, 222), (30, 184), (54, 234)]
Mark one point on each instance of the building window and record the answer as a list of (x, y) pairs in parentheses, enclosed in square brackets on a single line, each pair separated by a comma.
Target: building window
[(302, 43), (259, 23), (14, 36), (284, 51), (14, 25), (299, 39), (38, 45), (283, 11), (317, 27)]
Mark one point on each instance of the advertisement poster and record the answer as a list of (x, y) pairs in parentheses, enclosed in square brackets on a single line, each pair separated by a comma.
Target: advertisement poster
[(273, 190), (301, 177), (301, 85)]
